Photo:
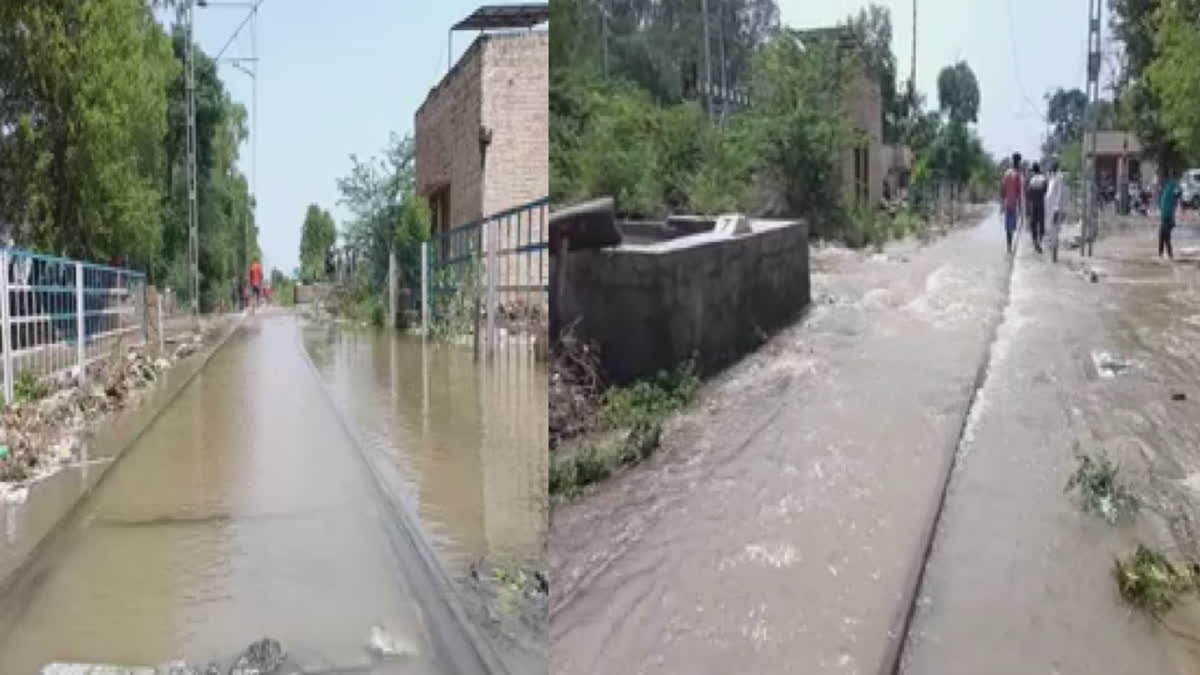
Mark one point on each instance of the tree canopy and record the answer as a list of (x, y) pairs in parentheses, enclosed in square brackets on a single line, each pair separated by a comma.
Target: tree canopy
[(958, 93), (93, 143), (317, 236)]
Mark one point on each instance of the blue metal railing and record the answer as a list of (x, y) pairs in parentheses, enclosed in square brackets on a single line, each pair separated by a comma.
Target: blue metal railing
[(48, 303), (514, 241)]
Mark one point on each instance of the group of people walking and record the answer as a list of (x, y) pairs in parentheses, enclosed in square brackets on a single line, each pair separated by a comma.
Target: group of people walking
[(1040, 197)]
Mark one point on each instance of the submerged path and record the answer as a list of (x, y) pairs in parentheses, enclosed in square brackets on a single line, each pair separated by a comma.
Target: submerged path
[(785, 526), (244, 510)]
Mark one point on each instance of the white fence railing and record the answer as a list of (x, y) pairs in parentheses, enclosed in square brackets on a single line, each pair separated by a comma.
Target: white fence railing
[(58, 314)]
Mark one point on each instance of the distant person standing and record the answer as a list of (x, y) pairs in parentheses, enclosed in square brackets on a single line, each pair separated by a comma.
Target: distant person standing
[(256, 280), (1036, 196), (1010, 199), (1168, 201), (1054, 207)]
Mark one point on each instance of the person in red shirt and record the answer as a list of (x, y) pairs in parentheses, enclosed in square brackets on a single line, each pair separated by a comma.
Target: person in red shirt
[(1011, 194), (256, 280)]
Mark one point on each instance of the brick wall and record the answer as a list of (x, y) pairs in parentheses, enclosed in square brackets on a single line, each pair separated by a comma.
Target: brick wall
[(446, 131), (515, 103), (864, 108), (502, 84)]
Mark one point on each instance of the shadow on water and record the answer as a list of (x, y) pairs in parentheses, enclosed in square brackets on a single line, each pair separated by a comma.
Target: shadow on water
[(468, 439)]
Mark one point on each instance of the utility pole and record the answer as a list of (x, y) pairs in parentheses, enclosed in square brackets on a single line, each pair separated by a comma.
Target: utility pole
[(604, 33), (707, 61), (193, 238), (724, 78), (912, 72), (1090, 225)]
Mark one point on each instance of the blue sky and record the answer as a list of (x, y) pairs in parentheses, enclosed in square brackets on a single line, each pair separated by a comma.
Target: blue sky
[(335, 77), (1018, 49)]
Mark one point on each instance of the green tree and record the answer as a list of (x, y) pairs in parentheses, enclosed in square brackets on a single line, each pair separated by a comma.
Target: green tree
[(872, 28), (1174, 74), (317, 235), (958, 93), (386, 212), (82, 117), (796, 127), (1138, 102)]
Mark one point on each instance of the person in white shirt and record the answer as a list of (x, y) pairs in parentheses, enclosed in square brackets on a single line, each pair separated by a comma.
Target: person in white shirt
[(1054, 208)]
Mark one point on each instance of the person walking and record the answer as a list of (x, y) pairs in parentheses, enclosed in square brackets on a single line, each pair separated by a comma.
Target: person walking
[(256, 280), (1054, 207), (1010, 200), (1168, 201), (1036, 196)]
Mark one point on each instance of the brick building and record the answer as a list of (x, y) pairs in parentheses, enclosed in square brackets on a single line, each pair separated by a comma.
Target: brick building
[(482, 134), (482, 143), (863, 161)]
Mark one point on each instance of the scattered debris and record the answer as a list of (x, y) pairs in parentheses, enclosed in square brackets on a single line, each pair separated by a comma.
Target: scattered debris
[(382, 644), (576, 388), (1109, 364), (1148, 581), (43, 433), (515, 599), (260, 658), (1099, 488)]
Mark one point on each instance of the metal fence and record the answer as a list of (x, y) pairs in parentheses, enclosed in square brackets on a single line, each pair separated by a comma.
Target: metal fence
[(57, 314), (495, 270)]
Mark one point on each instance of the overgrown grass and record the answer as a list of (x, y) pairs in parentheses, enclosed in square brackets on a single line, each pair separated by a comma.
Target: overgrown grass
[(28, 387), (1150, 582), (1100, 490), (630, 430), (652, 399)]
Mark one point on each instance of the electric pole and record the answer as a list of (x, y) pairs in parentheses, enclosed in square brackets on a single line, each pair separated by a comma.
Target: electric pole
[(604, 33), (193, 238), (707, 61), (1090, 226), (912, 72)]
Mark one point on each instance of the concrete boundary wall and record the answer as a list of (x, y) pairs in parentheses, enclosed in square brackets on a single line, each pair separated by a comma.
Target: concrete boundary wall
[(708, 295)]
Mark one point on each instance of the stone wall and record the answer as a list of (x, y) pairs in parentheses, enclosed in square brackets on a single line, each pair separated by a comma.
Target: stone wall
[(715, 297)]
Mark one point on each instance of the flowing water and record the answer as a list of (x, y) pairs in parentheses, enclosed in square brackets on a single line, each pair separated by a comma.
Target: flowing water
[(245, 510)]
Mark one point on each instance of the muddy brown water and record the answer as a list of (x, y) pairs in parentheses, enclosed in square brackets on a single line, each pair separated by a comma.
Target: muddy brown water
[(242, 511)]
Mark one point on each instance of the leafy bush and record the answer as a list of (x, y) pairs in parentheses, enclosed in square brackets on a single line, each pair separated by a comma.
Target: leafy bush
[(652, 399), (27, 387)]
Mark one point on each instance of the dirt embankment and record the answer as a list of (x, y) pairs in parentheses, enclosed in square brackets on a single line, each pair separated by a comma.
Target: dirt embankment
[(43, 429)]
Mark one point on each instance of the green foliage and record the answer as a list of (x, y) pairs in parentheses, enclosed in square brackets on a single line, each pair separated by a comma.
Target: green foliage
[(652, 399), (1138, 24), (93, 152), (570, 471), (1174, 75), (455, 314), (1101, 493), (872, 27), (958, 93), (84, 89), (387, 214), (1149, 581), (27, 387), (317, 236)]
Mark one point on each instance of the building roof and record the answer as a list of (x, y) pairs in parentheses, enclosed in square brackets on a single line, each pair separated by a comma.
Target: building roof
[(490, 17), (1115, 143), (842, 37)]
